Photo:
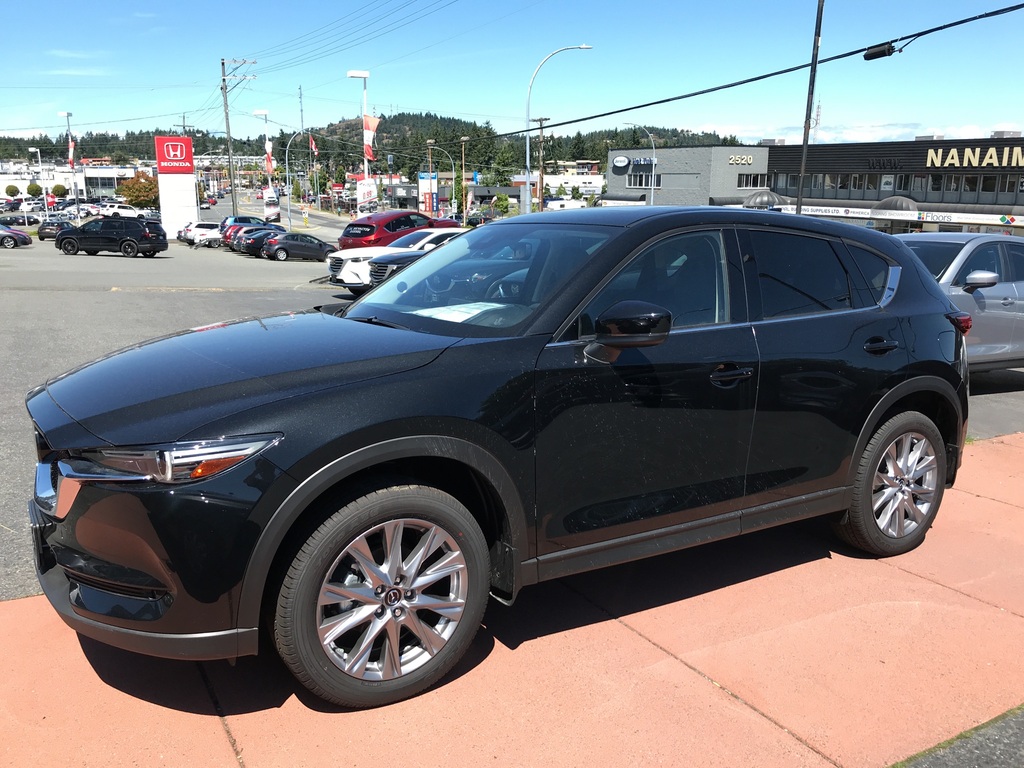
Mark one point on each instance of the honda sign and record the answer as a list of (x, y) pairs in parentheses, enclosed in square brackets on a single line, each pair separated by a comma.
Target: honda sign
[(174, 154)]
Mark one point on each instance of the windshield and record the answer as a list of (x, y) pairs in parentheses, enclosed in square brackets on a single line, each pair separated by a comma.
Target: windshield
[(936, 256), (410, 240), (486, 282)]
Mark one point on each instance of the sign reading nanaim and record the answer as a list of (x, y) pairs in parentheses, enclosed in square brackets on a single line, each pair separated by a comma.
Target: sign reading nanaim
[(1008, 157)]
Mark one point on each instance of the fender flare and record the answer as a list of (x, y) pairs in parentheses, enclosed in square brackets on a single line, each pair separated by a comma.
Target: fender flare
[(416, 446), (916, 385)]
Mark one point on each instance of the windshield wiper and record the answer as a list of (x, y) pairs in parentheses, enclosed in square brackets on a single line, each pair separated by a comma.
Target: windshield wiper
[(374, 320)]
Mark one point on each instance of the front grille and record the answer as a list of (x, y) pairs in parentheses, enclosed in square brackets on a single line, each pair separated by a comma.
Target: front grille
[(380, 272), (335, 265)]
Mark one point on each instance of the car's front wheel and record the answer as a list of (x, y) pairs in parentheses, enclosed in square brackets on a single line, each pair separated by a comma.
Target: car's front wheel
[(281, 254), (384, 597), (898, 487), (8, 242), (69, 246)]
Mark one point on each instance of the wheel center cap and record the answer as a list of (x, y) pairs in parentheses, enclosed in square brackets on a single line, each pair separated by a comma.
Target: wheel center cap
[(392, 597)]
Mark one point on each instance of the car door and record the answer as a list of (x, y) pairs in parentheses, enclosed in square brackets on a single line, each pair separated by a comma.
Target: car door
[(1015, 271), (91, 235), (993, 308), (826, 348), (655, 439)]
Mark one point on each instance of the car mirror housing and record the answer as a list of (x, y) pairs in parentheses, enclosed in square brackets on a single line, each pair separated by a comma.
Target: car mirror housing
[(980, 278), (628, 324)]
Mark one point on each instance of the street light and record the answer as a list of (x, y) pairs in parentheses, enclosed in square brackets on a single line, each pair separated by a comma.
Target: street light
[(654, 157), (529, 181), (452, 162), (362, 74), (71, 159), (464, 139), (46, 203), (287, 176), (266, 142)]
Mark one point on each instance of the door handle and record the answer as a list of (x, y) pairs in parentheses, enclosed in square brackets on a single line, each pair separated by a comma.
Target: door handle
[(881, 346), (1008, 302), (728, 374)]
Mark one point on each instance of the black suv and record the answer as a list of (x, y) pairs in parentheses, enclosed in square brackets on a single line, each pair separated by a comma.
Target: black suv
[(544, 395), (129, 237)]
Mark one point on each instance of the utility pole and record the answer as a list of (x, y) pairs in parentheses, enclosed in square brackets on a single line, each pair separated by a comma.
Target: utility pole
[(227, 126), (540, 162)]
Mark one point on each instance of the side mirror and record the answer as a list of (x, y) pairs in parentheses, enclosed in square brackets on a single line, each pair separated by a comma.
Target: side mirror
[(626, 325), (980, 278)]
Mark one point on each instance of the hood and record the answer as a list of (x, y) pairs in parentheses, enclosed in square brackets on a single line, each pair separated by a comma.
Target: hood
[(161, 390)]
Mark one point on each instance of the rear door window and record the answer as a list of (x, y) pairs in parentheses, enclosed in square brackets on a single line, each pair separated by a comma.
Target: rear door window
[(798, 274)]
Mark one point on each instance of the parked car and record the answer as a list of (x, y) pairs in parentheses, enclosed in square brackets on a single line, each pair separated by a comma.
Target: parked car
[(243, 232), (252, 242), (282, 246), (49, 229), (229, 220), (386, 227), (352, 481), (984, 276), (116, 210), (19, 220), (12, 238), (192, 231), (351, 269), (129, 237)]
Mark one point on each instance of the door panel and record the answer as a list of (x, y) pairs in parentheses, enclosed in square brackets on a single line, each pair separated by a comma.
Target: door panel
[(994, 309), (658, 436)]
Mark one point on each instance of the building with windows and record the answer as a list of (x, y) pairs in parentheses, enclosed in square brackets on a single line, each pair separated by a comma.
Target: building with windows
[(929, 183)]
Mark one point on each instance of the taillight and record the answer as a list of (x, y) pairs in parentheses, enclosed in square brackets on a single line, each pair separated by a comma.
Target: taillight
[(272, 241), (962, 321)]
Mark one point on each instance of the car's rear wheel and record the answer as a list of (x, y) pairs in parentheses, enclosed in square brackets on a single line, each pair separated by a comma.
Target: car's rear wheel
[(384, 597), (129, 248), (8, 241), (898, 487), (281, 254), (69, 246), (92, 253)]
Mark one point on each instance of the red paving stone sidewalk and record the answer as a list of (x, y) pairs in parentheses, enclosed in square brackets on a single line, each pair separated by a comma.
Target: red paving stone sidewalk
[(781, 648)]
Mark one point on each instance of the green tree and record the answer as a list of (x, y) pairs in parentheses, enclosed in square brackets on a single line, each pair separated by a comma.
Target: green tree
[(12, 191), (59, 190), (560, 192), (141, 191), (296, 190), (501, 203), (576, 194), (34, 189)]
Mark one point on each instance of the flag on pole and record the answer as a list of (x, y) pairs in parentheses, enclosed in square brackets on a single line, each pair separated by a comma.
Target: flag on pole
[(71, 153), (369, 130), (312, 146)]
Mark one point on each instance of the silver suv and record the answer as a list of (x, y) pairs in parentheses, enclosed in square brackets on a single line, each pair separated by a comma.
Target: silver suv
[(984, 276)]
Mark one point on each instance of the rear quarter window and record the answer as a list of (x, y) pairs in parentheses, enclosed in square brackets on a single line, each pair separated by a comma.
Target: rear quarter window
[(799, 274)]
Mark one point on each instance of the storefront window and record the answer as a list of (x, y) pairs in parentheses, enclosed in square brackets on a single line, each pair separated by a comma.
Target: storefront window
[(642, 181), (902, 182), (953, 182), (830, 181), (920, 182), (856, 181), (1008, 183), (988, 183), (871, 181), (935, 182), (844, 181), (970, 183)]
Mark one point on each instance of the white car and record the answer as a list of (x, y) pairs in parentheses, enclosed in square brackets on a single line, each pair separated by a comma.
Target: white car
[(201, 230), (350, 268), (121, 209)]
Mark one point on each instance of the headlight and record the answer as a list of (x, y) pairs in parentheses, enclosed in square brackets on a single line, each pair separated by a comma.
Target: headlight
[(174, 463)]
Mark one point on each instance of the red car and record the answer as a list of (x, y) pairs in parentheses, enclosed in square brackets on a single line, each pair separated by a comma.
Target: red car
[(384, 228)]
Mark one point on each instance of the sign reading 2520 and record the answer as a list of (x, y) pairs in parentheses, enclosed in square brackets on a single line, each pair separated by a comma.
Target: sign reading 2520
[(741, 159)]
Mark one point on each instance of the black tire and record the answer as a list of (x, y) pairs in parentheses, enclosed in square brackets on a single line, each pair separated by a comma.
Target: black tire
[(92, 253), (383, 607), (357, 292), (281, 254), (115, 215), (898, 487), (69, 246), (130, 249), (8, 241)]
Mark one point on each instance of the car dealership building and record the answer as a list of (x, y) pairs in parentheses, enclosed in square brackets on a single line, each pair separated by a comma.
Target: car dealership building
[(933, 184)]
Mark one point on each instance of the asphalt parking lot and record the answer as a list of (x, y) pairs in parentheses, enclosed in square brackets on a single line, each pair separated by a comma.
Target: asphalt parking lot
[(781, 648)]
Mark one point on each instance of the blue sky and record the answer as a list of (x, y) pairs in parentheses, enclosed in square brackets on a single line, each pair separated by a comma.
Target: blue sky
[(121, 66)]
